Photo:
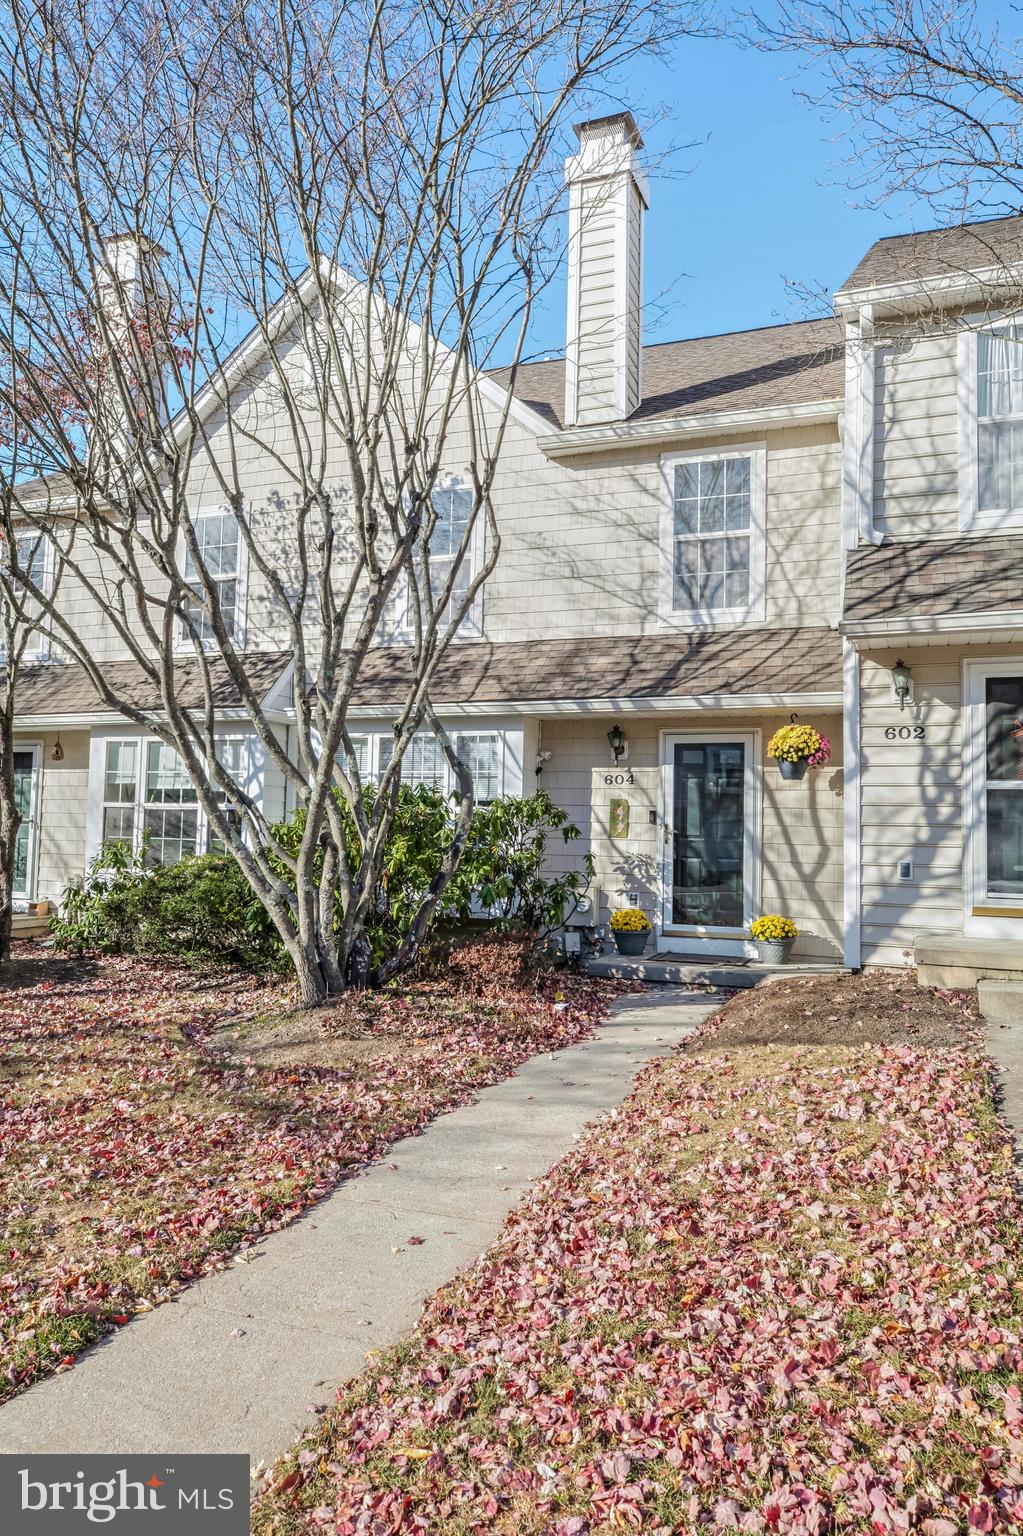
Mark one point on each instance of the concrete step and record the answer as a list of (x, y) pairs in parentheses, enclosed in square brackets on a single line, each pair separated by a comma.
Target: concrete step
[(29, 925), (962, 962), (1001, 1002), (714, 971)]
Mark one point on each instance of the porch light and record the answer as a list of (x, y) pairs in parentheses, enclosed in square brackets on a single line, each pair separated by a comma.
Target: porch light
[(900, 682), (616, 740), (57, 755)]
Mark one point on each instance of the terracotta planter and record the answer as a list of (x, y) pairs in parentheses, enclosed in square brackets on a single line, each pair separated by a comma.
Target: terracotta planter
[(793, 770), (631, 942), (774, 951)]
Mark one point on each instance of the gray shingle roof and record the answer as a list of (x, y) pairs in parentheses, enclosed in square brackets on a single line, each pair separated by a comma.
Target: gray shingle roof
[(940, 253), (55, 688), (652, 666), (931, 577), (742, 370)]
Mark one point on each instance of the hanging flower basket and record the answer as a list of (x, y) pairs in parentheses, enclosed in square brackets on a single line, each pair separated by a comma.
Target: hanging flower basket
[(798, 747), (630, 929)]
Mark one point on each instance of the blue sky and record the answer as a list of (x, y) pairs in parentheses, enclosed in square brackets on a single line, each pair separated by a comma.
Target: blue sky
[(762, 199)]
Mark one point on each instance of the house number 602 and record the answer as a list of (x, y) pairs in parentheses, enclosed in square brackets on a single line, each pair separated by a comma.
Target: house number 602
[(905, 733), (619, 778)]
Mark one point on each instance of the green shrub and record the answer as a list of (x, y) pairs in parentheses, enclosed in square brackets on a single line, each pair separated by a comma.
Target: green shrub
[(203, 909), (200, 909)]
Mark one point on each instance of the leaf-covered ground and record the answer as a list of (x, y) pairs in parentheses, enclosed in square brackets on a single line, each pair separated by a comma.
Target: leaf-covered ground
[(134, 1156), (779, 1290)]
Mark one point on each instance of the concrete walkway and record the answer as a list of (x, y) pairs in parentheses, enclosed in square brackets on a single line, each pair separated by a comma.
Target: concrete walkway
[(1005, 1045), (238, 1361)]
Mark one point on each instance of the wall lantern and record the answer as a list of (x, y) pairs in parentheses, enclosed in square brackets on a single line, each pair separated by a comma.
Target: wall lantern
[(900, 682), (616, 739), (57, 755)]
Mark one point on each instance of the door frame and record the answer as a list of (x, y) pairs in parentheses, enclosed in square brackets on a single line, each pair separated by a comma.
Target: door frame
[(1000, 917), (732, 942), (32, 861)]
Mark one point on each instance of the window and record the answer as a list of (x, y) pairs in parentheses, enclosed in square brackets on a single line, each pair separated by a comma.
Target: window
[(120, 788), (713, 536), (424, 763), (991, 426), (148, 797), (232, 755), (481, 756), (170, 809), (35, 559), (453, 505), (216, 534)]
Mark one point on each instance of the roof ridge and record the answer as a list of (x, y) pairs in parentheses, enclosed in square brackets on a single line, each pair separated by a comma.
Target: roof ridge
[(948, 229), (681, 341)]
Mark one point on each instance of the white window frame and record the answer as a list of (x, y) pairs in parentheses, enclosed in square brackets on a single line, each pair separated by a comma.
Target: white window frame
[(184, 641), (448, 786), (708, 618), (139, 803), (39, 646), (399, 631), (1007, 921), (971, 518)]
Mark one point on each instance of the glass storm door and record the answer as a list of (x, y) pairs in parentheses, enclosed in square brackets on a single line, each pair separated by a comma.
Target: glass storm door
[(708, 802), (25, 769), (1002, 802)]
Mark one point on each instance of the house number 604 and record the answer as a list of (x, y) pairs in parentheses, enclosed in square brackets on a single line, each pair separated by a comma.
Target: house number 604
[(905, 733), (619, 778)]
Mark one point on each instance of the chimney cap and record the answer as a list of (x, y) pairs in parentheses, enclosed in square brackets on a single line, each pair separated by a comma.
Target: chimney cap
[(604, 128)]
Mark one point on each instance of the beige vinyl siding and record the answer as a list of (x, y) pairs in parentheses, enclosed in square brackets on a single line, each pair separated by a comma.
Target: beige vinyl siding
[(912, 800), (801, 831), (597, 302), (916, 486), (63, 792)]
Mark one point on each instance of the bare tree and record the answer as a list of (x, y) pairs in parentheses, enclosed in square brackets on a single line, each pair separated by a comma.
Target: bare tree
[(371, 192), (931, 92)]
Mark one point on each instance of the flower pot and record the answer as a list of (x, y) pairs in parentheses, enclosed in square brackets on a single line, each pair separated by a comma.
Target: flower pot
[(774, 951), (631, 941), (796, 770)]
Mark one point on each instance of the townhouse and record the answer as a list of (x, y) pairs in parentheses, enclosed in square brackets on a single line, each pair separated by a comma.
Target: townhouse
[(701, 541)]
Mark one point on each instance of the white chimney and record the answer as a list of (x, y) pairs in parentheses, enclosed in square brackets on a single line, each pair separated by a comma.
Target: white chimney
[(131, 292), (608, 197)]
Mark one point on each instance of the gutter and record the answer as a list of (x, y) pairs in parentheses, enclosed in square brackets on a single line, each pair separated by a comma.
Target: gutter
[(607, 436), (624, 705), (931, 624)]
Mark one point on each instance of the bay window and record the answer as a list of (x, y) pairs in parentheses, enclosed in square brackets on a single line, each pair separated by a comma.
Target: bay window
[(424, 762), (149, 801)]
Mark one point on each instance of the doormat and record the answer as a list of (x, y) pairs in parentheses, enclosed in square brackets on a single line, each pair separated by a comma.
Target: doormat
[(724, 962)]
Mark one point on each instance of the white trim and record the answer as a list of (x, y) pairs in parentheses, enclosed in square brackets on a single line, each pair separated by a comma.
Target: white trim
[(852, 851), (751, 612), (89, 722), (858, 431), (711, 939), (636, 704), (974, 749), (956, 287), (928, 624), (572, 331), (609, 435), (35, 806), (620, 340)]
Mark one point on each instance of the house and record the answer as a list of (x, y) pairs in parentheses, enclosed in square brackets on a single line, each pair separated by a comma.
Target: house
[(702, 540)]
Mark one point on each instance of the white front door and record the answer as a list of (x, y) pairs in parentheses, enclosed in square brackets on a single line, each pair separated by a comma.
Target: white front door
[(26, 796), (993, 753), (710, 819)]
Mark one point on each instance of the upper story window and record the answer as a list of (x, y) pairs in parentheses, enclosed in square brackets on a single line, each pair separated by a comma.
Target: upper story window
[(991, 426), (35, 561), (453, 502), (220, 548), (712, 537)]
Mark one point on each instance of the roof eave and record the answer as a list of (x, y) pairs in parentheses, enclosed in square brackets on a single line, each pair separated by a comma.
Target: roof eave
[(895, 626), (942, 290), (662, 432)]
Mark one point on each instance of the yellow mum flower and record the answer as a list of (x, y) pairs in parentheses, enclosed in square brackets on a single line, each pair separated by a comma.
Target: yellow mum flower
[(629, 920), (773, 926)]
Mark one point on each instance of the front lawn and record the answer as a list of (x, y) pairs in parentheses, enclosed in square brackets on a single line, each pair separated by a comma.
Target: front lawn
[(151, 1121), (779, 1290)]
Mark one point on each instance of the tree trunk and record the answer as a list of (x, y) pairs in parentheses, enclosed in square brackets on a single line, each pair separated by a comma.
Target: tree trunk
[(10, 821)]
